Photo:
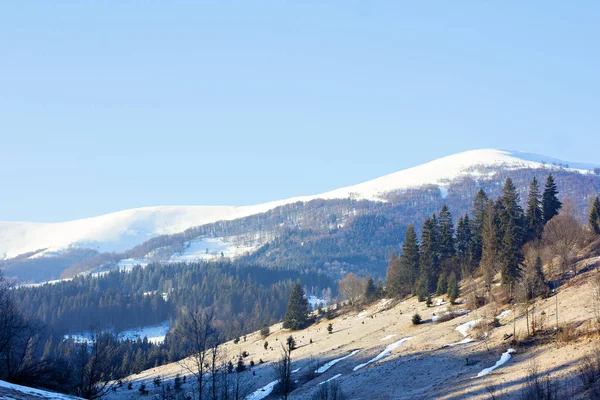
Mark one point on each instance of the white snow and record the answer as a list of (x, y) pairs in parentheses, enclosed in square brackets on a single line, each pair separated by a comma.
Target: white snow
[(361, 315), (330, 379), (31, 392), (123, 230), (314, 302), (386, 352), (464, 341), (331, 363), (262, 392), (503, 314), (388, 337), (503, 359), (155, 334), (467, 326)]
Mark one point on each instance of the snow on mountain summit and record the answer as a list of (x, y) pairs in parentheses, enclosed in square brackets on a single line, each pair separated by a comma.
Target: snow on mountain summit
[(124, 229)]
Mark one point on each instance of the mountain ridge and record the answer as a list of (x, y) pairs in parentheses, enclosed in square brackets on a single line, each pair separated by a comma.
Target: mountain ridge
[(125, 229)]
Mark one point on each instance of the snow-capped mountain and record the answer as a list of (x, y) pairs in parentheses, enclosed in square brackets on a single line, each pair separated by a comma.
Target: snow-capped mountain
[(124, 229)]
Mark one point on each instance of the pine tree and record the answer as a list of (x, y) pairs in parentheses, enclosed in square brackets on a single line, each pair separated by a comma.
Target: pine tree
[(535, 220), (428, 257), (442, 285), (550, 202), (594, 216), (453, 289), (393, 277), (409, 261), (489, 252), (445, 235), (510, 255), (298, 309), (478, 213), (464, 244), (370, 290), (511, 213)]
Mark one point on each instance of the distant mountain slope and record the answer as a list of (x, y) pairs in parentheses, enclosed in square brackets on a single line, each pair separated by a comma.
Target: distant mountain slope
[(123, 230)]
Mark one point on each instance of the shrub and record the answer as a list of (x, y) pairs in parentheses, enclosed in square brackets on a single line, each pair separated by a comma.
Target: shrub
[(416, 319), (266, 345), (330, 328), (265, 330)]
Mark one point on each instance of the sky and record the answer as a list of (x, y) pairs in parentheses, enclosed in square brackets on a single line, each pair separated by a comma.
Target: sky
[(110, 105)]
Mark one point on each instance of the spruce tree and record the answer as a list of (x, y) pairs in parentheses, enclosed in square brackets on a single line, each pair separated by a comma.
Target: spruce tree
[(535, 219), (442, 285), (478, 214), (511, 213), (453, 289), (298, 309), (464, 244), (510, 255), (370, 290), (409, 260), (393, 277), (445, 235), (594, 216), (490, 246), (550, 202), (428, 257)]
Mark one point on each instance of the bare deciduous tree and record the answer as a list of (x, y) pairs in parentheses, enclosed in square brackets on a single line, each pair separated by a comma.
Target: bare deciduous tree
[(562, 234), (283, 372), (352, 287)]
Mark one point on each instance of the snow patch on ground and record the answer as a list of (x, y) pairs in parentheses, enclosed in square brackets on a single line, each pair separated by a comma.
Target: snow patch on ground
[(503, 314), (330, 379), (464, 341), (385, 353), (388, 337), (503, 360), (331, 363), (10, 388), (464, 328), (263, 391)]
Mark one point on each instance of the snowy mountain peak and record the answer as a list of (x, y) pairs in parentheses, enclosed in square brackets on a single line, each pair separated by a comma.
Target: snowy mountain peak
[(123, 230)]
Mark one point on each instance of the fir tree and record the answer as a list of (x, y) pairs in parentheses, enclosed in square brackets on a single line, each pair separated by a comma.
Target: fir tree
[(370, 290), (464, 244), (393, 277), (409, 261), (489, 252), (550, 202), (428, 258), (445, 234), (535, 219), (510, 256), (298, 309), (442, 285), (478, 213), (594, 216), (511, 213), (453, 289)]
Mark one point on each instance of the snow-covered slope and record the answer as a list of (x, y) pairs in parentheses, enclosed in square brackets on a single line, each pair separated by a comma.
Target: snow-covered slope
[(124, 229), (12, 391)]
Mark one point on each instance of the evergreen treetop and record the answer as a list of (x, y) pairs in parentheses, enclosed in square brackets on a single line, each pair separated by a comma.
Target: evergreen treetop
[(550, 202), (296, 315), (594, 216), (535, 219)]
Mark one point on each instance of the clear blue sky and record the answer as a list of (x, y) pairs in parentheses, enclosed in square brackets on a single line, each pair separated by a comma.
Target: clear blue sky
[(108, 105)]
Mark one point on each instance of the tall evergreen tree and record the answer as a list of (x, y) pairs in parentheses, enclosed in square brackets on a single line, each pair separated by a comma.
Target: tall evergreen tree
[(490, 246), (298, 309), (370, 290), (550, 202), (594, 216), (511, 213), (428, 257), (464, 244), (393, 277), (535, 219), (478, 214), (453, 289), (445, 235), (409, 261), (510, 255)]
